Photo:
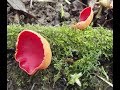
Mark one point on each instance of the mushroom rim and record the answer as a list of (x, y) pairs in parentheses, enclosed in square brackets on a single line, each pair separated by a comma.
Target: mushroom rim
[(83, 11)]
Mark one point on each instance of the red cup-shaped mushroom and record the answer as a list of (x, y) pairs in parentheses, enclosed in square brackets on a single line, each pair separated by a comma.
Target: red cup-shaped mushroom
[(32, 52), (86, 16)]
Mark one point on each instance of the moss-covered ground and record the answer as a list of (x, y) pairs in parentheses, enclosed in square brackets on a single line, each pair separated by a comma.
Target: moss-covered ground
[(88, 52)]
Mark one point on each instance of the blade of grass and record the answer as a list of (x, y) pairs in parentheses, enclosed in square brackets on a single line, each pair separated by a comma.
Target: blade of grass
[(62, 11)]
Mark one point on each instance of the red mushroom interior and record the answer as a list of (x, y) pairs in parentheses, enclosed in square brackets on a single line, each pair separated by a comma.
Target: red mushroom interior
[(85, 14), (30, 51)]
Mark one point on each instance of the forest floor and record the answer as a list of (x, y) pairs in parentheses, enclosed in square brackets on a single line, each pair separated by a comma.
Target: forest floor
[(49, 14)]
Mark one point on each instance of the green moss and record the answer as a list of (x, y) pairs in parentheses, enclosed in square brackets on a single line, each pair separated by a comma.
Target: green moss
[(89, 45)]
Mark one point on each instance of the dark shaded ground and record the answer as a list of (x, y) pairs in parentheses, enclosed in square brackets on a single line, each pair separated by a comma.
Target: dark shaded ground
[(19, 80)]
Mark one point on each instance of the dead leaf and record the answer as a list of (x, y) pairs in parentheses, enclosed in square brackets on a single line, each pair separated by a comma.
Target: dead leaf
[(17, 5)]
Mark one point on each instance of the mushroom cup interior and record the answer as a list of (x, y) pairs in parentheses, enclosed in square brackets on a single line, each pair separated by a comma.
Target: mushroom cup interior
[(30, 52), (85, 14)]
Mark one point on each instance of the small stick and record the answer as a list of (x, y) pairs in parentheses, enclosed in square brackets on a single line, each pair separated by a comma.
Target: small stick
[(99, 12), (31, 3), (104, 80), (83, 4), (32, 86)]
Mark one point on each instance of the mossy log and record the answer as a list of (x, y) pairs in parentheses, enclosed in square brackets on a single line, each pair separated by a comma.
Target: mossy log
[(89, 44), (65, 36)]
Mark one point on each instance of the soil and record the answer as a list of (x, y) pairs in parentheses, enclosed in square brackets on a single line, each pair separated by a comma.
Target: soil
[(48, 13)]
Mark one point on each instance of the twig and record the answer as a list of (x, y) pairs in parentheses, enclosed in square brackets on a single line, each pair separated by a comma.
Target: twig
[(110, 84), (33, 86), (83, 4), (31, 3), (99, 12)]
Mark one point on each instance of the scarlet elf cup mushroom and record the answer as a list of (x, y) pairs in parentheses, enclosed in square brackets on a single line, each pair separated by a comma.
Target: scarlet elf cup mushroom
[(86, 16), (32, 51)]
